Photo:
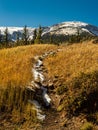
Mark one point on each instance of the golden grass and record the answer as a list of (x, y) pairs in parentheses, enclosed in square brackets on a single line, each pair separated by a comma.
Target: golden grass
[(73, 60), (74, 72), (15, 73), (16, 64)]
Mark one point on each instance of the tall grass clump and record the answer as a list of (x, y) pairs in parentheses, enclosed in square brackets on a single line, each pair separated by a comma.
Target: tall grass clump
[(87, 126), (14, 101)]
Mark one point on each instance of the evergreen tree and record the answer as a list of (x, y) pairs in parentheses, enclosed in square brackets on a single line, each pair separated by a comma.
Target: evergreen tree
[(51, 39), (25, 35), (6, 37), (17, 38), (78, 35), (39, 37), (35, 35), (0, 37)]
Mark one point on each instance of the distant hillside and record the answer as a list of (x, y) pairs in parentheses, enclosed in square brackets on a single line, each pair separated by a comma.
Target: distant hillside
[(70, 28), (61, 30)]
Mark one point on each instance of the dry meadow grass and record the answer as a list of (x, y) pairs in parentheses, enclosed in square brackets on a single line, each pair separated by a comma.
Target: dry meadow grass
[(74, 73), (15, 74), (73, 60), (16, 64)]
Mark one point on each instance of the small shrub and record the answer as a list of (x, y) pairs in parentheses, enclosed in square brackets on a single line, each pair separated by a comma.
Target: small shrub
[(87, 126), (60, 108), (95, 41), (61, 89), (93, 117)]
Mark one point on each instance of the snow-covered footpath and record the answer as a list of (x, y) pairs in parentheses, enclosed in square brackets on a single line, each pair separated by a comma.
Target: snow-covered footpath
[(38, 76)]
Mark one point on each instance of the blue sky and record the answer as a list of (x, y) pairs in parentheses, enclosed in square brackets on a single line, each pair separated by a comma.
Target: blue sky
[(47, 12)]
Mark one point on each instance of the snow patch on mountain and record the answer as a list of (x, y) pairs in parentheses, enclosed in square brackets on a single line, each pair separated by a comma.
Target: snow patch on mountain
[(11, 29), (14, 30), (64, 28), (71, 28)]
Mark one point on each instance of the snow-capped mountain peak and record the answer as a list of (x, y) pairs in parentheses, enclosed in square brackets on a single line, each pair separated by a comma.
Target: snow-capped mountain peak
[(64, 28), (70, 28)]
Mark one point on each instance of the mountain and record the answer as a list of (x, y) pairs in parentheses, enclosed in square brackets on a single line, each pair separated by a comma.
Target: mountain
[(70, 28), (64, 28), (65, 32), (14, 30)]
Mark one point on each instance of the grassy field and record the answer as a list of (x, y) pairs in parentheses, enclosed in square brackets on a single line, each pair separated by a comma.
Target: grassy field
[(73, 69), (74, 73), (73, 60), (16, 64), (15, 74)]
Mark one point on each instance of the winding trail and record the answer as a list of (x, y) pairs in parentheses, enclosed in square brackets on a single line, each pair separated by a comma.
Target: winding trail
[(38, 80), (43, 100)]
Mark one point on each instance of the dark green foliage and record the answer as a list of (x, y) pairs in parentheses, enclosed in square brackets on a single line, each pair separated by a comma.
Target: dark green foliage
[(25, 35), (39, 32), (80, 37), (54, 39), (0, 37), (35, 35), (39, 35), (59, 39), (17, 39), (6, 37)]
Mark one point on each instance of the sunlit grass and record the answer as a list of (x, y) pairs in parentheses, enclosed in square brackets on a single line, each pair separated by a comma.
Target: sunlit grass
[(73, 60), (16, 64), (15, 74), (74, 72)]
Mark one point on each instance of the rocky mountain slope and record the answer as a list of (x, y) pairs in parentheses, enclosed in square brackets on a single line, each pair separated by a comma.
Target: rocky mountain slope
[(70, 28), (65, 28)]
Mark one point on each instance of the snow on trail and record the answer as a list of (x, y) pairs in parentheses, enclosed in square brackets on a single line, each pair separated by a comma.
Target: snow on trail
[(41, 98), (37, 72), (46, 97), (39, 76)]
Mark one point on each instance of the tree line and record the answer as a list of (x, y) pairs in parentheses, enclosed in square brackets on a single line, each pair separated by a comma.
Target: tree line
[(21, 39), (24, 38)]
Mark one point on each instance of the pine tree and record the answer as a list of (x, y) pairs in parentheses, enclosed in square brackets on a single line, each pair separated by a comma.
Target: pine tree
[(17, 38), (25, 35), (35, 35), (0, 37), (39, 35), (78, 34), (6, 37)]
